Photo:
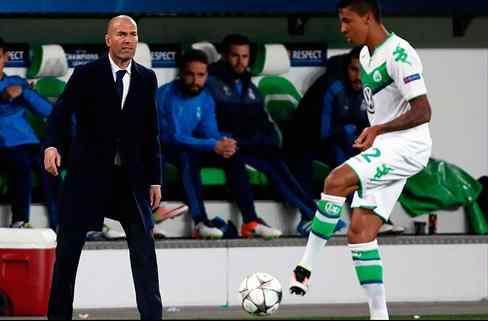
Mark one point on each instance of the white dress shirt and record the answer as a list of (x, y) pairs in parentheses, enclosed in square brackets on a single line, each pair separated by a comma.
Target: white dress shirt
[(125, 79)]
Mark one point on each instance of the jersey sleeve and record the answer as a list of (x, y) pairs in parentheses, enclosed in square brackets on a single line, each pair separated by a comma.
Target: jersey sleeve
[(405, 68)]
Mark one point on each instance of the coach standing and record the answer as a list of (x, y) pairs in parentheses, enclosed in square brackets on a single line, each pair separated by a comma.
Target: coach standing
[(113, 165)]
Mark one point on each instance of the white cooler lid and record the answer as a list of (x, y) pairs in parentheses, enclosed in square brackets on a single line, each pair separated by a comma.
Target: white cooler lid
[(18, 238)]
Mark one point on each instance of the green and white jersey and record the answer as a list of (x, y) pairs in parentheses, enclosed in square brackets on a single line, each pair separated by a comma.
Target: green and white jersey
[(391, 77)]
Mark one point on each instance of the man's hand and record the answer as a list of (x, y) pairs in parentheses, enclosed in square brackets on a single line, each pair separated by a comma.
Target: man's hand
[(226, 147), (12, 92), (155, 196), (52, 161), (367, 137)]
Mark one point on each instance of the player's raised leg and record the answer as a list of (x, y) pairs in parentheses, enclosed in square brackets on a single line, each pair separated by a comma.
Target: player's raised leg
[(341, 182)]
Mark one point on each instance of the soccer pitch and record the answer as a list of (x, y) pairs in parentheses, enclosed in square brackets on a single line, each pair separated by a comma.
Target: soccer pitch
[(399, 311)]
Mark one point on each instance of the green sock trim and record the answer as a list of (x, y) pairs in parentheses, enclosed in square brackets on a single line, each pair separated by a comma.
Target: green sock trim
[(372, 255), (370, 274), (326, 218), (324, 229)]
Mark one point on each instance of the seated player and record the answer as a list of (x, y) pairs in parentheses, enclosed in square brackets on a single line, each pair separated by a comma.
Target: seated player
[(329, 118), (191, 139), (241, 115)]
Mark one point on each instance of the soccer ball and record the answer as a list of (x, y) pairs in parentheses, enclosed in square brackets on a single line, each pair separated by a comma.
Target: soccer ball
[(260, 294)]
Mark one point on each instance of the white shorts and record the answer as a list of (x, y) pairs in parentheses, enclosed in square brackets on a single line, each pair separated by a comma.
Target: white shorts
[(383, 170)]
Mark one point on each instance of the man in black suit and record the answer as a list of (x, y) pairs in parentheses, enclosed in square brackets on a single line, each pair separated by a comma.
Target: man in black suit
[(113, 165)]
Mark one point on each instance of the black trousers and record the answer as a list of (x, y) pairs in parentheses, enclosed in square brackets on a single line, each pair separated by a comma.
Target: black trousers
[(142, 259), (18, 162)]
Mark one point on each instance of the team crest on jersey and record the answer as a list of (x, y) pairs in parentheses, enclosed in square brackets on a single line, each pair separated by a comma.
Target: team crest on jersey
[(377, 76)]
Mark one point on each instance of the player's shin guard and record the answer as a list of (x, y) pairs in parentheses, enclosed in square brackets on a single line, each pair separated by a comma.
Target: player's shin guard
[(369, 269), (323, 225)]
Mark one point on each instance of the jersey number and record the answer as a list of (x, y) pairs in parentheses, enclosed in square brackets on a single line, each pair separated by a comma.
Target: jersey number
[(375, 152)]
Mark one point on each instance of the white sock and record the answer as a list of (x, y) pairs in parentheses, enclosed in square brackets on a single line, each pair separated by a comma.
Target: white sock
[(323, 225), (314, 245), (376, 301), (369, 269)]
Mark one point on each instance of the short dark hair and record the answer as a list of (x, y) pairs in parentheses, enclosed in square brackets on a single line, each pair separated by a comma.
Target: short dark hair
[(191, 56), (362, 7), (353, 54), (233, 40)]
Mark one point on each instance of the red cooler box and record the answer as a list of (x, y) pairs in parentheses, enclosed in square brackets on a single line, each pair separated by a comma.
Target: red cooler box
[(26, 266)]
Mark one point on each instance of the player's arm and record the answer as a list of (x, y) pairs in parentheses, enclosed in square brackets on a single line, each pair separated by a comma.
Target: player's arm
[(419, 113), (59, 124)]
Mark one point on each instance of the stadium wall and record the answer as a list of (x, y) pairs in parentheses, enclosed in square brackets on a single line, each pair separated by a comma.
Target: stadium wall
[(211, 276)]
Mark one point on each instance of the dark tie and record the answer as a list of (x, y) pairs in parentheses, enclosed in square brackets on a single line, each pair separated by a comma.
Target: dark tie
[(119, 85)]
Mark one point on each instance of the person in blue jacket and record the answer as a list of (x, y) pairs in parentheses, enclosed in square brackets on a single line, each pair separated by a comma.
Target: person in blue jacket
[(344, 113), (19, 145), (328, 119), (241, 114), (191, 139)]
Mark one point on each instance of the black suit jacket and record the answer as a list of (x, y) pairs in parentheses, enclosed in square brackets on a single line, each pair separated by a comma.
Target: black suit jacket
[(102, 128)]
